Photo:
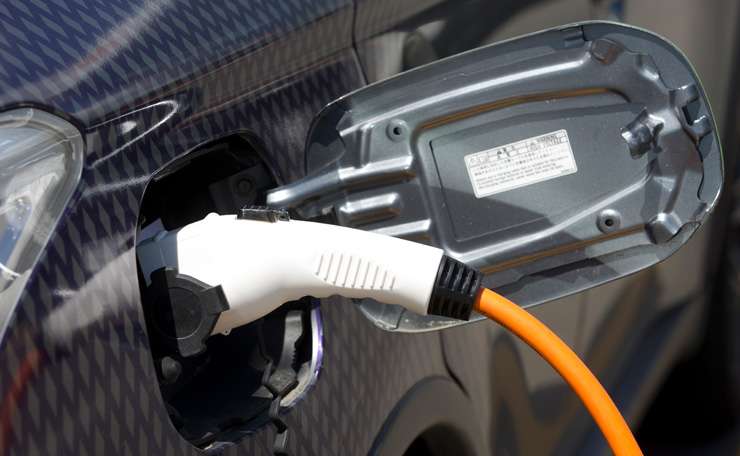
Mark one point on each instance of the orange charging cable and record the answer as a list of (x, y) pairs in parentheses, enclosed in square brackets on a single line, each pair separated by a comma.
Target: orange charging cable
[(567, 363)]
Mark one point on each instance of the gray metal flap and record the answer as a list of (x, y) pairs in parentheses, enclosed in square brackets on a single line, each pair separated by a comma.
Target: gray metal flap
[(554, 162)]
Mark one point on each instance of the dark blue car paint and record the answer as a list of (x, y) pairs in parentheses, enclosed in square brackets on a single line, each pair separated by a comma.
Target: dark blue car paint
[(148, 82)]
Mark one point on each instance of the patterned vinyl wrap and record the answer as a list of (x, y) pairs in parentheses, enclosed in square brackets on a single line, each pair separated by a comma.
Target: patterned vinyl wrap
[(146, 82), (76, 376)]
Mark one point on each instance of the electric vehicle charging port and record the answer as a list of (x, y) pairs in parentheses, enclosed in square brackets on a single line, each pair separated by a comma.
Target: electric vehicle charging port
[(216, 389)]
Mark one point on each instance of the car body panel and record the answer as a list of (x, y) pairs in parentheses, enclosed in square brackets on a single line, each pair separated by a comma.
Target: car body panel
[(647, 319), (147, 82), (77, 376)]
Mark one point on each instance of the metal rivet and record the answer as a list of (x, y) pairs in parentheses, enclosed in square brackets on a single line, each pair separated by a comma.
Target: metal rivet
[(397, 130), (609, 220)]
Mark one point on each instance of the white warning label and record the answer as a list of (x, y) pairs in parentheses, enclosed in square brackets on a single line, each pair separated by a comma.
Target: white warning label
[(521, 163)]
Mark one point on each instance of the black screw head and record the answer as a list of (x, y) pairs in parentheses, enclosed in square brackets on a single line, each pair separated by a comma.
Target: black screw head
[(170, 369), (244, 187)]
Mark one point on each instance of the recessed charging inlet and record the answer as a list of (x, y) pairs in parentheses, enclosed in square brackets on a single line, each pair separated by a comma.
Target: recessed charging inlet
[(213, 383)]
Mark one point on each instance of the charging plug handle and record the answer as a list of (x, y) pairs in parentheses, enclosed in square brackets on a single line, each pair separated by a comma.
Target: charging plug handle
[(261, 259)]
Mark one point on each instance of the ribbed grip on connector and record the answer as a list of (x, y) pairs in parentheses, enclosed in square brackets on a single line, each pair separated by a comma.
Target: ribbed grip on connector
[(455, 289)]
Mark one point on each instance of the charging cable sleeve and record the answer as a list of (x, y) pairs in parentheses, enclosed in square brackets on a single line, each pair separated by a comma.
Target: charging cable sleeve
[(560, 356)]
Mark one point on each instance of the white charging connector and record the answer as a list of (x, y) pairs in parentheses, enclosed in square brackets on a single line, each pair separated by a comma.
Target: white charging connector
[(261, 265), (226, 271)]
